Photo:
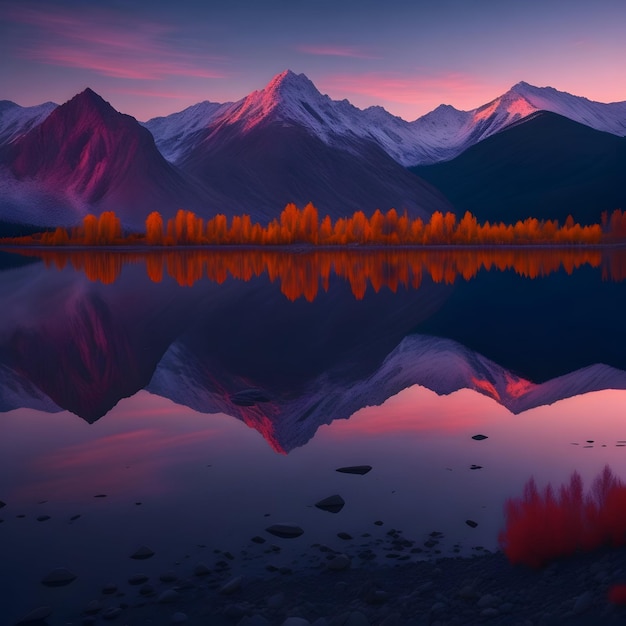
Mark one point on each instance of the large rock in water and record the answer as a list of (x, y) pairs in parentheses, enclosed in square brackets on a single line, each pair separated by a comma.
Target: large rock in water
[(286, 531), (332, 504), (36, 616), (58, 578), (355, 469)]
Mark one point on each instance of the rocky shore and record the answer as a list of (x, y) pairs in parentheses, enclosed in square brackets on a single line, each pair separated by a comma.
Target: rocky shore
[(484, 589)]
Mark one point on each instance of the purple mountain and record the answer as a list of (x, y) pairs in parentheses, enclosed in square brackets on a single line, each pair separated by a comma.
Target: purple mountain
[(86, 157)]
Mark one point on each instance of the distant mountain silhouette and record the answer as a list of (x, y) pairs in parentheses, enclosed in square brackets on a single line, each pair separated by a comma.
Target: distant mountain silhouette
[(545, 166)]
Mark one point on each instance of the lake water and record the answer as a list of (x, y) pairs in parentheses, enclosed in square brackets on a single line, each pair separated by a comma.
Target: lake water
[(126, 399)]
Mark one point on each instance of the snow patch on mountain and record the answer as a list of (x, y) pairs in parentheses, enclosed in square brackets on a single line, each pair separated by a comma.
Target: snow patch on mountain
[(173, 133), (16, 120)]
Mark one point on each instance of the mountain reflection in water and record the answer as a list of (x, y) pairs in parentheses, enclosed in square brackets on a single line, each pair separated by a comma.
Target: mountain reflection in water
[(317, 334)]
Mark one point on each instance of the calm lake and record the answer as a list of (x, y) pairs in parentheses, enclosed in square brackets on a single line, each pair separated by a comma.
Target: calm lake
[(189, 400)]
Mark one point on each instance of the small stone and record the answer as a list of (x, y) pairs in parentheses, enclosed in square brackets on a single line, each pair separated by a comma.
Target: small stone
[(142, 552), (36, 615), (179, 618), (234, 584), (2, 504), (201, 569), (95, 606), (101, 495), (471, 523), (43, 518), (74, 518), (286, 531), (137, 579), (113, 612), (169, 596), (344, 536), (254, 620), (488, 600), (339, 563), (377, 596), (109, 589), (235, 611), (355, 469), (467, 592), (146, 590), (479, 437), (168, 577), (378, 523), (438, 607), (257, 539), (58, 578), (356, 618), (276, 601), (583, 603), (332, 504)]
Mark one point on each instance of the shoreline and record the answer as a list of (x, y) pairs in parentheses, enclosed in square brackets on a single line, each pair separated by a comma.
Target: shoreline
[(450, 590)]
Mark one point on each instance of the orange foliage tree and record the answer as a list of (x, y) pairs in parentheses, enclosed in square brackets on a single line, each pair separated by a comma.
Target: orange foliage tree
[(304, 226)]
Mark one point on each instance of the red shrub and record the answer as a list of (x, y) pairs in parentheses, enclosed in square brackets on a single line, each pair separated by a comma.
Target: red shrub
[(541, 527)]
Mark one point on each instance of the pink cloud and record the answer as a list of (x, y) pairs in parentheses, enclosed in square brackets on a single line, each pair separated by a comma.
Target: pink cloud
[(101, 43), (406, 90), (336, 51)]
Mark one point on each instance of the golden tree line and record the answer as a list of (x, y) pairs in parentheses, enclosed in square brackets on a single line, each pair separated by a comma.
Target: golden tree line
[(304, 226)]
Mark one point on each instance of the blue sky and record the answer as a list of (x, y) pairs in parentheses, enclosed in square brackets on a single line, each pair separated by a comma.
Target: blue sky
[(155, 58)]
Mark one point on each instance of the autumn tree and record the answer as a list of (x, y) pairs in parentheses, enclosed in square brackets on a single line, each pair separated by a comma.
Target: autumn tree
[(109, 228), (154, 229)]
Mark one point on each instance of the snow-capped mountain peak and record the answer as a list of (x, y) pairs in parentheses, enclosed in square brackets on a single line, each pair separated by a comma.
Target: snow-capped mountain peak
[(287, 97)]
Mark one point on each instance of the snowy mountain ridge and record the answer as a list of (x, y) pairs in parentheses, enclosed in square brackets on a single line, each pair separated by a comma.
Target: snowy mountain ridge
[(291, 98), (440, 135)]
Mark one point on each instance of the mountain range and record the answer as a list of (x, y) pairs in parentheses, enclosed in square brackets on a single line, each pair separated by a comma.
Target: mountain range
[(289, 143)]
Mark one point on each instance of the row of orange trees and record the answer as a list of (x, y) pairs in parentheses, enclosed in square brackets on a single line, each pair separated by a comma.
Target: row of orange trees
[(305, 226)]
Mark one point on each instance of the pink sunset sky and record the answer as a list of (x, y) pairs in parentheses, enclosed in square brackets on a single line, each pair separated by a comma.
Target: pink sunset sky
[(151, 59)]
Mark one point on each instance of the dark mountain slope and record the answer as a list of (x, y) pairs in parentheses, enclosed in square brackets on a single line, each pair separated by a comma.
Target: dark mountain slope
[(262, 169), (545, 166)]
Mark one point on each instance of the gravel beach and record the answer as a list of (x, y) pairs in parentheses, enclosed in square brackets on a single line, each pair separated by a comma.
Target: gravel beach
[(483, 589)]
